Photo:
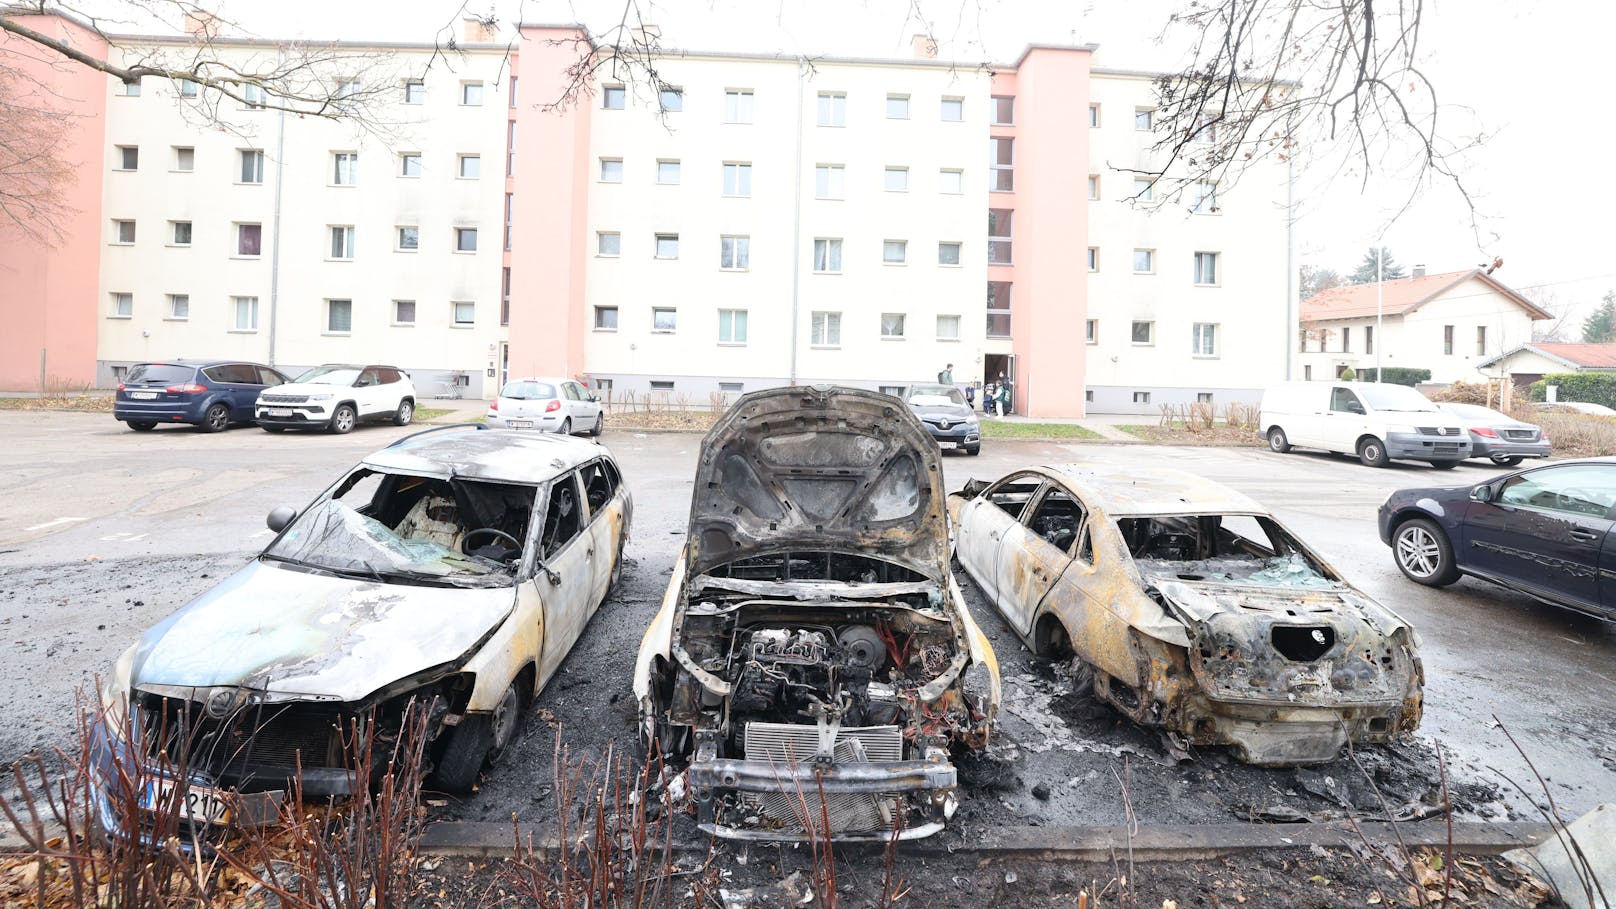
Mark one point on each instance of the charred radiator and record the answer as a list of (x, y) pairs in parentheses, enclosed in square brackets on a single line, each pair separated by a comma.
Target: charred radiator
[(784, 743)]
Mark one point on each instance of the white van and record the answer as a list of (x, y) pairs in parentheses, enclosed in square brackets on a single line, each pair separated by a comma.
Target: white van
[(1376, 422)]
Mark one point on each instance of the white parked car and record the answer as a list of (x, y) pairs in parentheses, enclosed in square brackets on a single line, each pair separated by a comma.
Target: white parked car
[(548, 404), (1377, 422), (335, 397)]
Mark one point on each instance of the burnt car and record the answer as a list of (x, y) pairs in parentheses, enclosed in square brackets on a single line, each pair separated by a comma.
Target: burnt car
[(451, 571), (812, 643), (1189, 607)]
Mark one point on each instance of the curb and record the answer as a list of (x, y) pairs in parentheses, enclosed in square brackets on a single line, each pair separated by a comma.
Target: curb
[(1166, 842)]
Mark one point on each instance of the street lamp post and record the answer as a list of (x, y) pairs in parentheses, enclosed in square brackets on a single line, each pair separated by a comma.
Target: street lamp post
[(1380, 309)]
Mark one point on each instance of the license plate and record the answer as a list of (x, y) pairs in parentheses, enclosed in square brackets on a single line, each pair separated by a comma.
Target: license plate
[(201, 805), (947, 445), (280, 412), (519, 424), (143, 395)]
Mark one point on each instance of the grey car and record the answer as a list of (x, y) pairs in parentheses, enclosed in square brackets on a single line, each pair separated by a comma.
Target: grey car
[(1499, 437)]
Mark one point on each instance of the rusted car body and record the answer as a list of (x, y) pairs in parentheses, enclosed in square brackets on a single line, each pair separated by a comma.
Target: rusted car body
[(1195, 609), (450, 572), (812, 643)]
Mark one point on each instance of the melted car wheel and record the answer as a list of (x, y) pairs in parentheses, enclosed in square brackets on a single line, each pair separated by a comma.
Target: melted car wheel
[(479, 739), (1424, 554)]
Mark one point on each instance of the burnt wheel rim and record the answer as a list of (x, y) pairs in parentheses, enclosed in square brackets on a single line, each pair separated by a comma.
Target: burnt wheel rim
[(1418, 551), (504, 721)]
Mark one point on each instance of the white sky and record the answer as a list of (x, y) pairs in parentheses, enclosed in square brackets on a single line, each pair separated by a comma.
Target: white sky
[(1526, 72)]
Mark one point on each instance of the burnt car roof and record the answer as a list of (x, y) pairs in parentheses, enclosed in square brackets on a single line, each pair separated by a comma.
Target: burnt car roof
[(821, 468), (1143, 491), (510, 456)]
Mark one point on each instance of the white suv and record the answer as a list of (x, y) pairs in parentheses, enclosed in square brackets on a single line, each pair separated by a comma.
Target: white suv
[(335, 397)]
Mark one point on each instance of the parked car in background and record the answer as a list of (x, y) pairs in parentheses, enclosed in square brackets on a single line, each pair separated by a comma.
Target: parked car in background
[(210, 395), (1191, 608), (548, 404), (1499, 437), (336, 397), (1377, 422), (944, 413), (1585, 407), (1543, 531), (812, 639), (447, 574)]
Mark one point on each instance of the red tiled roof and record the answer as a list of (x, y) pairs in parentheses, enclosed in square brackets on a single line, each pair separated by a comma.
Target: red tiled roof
[(1586, 356), (1399, 297)]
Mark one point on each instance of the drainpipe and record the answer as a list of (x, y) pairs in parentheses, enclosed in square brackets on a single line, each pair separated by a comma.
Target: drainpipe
[(1292, 322), (275, 224), (796, 226)]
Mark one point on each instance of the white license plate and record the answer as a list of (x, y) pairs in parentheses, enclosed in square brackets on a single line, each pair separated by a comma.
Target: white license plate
[(202, 805), (519, 424), (143, 395), (947, 445), (281, 412)]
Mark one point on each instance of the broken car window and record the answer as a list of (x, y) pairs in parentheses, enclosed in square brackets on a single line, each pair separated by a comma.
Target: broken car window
[(598, 486), (1058, 519), (1233, 549), (1012, 495), (563, 517)]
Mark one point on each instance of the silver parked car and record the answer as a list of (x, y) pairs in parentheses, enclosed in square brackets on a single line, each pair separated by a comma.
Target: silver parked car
[(1499, 437), (548, 404)]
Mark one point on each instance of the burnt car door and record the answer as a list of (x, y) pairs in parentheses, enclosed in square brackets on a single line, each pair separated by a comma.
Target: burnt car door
[(1545, 531), (993, 512), (605, 516), (1035, 551), (566, 576)]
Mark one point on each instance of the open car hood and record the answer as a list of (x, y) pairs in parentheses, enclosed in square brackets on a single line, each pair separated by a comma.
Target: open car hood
[(820, 468)]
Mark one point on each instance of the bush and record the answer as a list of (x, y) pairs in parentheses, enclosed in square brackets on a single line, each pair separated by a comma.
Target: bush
[(1397, 375), (1588, 387), (1463, 393)]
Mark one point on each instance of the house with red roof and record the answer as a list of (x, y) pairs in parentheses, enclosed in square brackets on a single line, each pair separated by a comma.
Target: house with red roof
[(1451, 323), (1529, 362)]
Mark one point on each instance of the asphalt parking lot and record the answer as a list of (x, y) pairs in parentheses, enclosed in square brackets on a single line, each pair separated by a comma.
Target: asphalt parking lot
[(105, 531)]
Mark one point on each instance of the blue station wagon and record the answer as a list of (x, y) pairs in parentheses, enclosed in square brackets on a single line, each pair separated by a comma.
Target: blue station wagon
[(210, 395)]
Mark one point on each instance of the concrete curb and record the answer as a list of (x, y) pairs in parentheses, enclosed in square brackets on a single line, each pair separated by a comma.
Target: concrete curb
[(1168, 842)]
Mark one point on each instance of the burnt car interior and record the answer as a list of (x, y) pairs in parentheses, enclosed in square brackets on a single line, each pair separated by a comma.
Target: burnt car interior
[(1232, 548)]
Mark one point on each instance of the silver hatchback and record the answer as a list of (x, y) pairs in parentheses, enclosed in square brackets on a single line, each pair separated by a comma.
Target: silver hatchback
[(548, 404)]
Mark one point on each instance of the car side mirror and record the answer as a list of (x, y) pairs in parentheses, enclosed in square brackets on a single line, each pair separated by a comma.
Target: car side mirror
[(1356, 408), (1482, 493), (280, 517), (594, 399)]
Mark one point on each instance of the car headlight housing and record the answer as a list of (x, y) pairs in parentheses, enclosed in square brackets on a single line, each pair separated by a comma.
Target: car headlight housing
[(115, 695), (320, 397)]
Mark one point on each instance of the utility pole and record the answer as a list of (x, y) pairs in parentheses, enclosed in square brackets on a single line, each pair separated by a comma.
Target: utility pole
[(1380, 309)]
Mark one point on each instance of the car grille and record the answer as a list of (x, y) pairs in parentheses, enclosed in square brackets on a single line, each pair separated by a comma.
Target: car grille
[(1446, 448), (848, 813), (788, 742), (280, 735), (1524, 435), (1439, 430), (283, 399)]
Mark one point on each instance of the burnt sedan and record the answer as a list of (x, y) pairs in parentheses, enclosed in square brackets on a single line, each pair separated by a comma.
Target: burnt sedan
[(813, 664), (1189, 607)]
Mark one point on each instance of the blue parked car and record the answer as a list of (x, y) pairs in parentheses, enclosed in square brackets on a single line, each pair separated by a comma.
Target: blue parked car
[(209, 395), (1541, 531)]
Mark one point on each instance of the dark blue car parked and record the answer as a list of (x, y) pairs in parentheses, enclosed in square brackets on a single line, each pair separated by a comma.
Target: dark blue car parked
[(209, 395), (1545, 532)]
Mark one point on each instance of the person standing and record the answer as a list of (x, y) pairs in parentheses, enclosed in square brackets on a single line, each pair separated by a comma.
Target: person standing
[(970, 395), (946, 377)]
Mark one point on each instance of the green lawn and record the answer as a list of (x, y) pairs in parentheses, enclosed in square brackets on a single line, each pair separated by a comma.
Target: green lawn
[(993, 429)]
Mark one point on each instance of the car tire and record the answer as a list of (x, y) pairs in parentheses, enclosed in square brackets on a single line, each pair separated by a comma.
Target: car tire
[(566, 427), (1423, 553), (1278, 441), (1372, 452), (405, 413), (600, 425), (974, 450), (142, 425), (343, 419), (1444, 465), (268, 428), (480, 739), (217, 419), (1506, 460)]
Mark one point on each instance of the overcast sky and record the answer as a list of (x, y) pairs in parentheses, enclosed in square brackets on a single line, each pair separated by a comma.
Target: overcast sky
[(1523, 72)]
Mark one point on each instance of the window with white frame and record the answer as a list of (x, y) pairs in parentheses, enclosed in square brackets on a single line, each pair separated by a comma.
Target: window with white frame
[(664, 386), (347, 89), (826, 329), (732, 388), (470, 167), (735, 253), (252, 165), (605, 318), (832, 109), (179, 307), (951, 181), (897, 179), (999, 309), (608, 243), (828, 181), (897, 107), (409, 164), (1143, 333), (999, 236), (415, 91), (249, 239), (664, 319), (1206, 268), (667, 246), (184, 158), (948, 328), (1144, 118), (612, 97), (1204, 339), (180, 233), (189, 88), (344, 168), (1094, 187), (1144, 189), (1204, 198), (611, 170), (667, 172), (948, 252), (738, 105), (671, 99), (342, 242), (732, 326), (254, 96), (1206, 129), (1203, 397), (1094, 115), (1001, 165), (953, 110), (1094, 258), (338, 317), (892, 324), (1141, 397), (828, 255), (894, 252), (1144, 261), (123, 232), (1091, 331), (737, 179), (465, 239), (123, 305), (244, 313), (465, 313), (403, 312), (128, 157), (471, 94), (1003, 110), (409, 238)]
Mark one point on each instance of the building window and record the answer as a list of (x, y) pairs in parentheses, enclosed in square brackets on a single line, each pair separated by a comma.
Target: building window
[(1094, 115), (1088, 396), (664, 386), (611, 170), (403, 312), (1002, 171), (735, 253), (1447, 340), (245, 313), (948, 328), (999, 309), (1144, 333), (1144, 261), (344, 168), (342, 242), (471, 167), (123, 232), (409, 164), (1004, 110), (605, 318), (465, 239), (894, 252), (129, 89), (1144, 189), (1369, 339), (510, 199), (664, 319), (415, 93), (671, 99), (409, 239), (1204, 198), (892, 325), (249, 239), (471, 94), (1307, 373), (828, 256), (1091, 331), (612, 97), (1481, 340), (338, 317), (505, 294), (253, 96), (738, 179), (737, 106), (180, 233), (827, 329), (608, 243), (948, 253), (1204, 339), (188, 88), (510, 144), (464, 313), (667, 246), (1094, 187), (1203, 397), (897, 107), (123, 305), (828, 181), (951, 181), (832, 109), (347, 89), (179, 307), (1144, 118), (1346, 339), (128, 158), (1094, 258), (1206, 268), (667, 172), (732, 326), (1141, 397), (999, 236), (953, 110), (732, 388), (184, 159), (1206, 129), (252, 165), (897, 179)]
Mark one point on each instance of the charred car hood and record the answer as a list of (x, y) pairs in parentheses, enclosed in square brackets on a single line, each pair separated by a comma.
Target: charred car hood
[(820, 468), (289, 632)]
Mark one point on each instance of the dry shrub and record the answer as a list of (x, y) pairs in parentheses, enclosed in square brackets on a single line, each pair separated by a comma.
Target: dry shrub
[(1574, 435), (1465, 393)]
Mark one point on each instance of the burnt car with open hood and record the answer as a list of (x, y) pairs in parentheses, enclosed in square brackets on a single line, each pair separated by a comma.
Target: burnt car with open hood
[(450, 572), (1189, 607), (813, 666)]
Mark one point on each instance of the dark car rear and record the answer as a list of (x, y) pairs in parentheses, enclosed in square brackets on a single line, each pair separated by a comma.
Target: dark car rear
[(210, 395)]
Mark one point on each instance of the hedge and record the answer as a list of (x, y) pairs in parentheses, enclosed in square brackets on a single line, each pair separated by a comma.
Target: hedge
[(1586, 387), (1397, 375)]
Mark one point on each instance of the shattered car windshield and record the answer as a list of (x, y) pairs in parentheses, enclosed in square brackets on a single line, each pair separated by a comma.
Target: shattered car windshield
[(1396, 397), (1243, 550), (401, 528), (330, 375)]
